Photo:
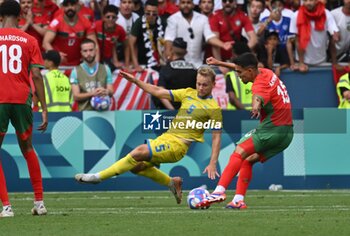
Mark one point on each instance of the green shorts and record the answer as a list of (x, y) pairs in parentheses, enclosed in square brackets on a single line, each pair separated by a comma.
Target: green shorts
[(21, 118), (166, 149), (267, 141)]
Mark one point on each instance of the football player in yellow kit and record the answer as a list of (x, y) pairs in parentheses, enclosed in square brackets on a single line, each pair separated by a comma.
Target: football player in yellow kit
[(198, 112)]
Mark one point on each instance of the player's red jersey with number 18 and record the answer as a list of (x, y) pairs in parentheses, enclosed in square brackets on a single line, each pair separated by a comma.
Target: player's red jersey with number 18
[(18, 52), (276, 109)]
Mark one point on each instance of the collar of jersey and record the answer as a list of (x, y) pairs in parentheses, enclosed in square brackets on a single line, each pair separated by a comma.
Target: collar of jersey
[(88, 69), (208, 97)]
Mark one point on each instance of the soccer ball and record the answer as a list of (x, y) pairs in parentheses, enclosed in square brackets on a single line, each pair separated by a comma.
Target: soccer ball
[(100, 103), (195, 196)]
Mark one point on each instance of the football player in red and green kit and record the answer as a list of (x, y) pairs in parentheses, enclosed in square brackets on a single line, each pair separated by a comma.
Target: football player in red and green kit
[(20, 54), (274, 133)]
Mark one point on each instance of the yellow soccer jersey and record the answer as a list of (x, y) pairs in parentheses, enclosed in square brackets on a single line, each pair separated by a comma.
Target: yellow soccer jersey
[(195, 115)]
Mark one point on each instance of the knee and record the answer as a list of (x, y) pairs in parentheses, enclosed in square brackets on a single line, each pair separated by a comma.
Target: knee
[(254, 158), (241, 152), (25, 146), (141, 153)]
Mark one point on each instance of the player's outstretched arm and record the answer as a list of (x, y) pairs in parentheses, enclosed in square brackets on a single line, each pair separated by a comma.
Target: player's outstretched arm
[(156, 91), (216, 143), (215, 62), (39, 88)]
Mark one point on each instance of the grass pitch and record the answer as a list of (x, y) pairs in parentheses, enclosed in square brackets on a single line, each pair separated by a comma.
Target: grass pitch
[(156, 213)]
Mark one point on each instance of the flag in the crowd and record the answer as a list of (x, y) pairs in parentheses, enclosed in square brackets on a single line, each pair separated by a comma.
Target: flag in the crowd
[(128, 96)]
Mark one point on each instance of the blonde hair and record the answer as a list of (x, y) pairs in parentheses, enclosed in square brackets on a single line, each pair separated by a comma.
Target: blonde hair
[(207, 71)]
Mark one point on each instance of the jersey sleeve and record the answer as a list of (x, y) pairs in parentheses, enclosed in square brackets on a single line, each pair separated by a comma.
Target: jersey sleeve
[(122, 34), (136, 28), (109, 75), (170, 30), (36, 59), (264, 19), (90, 28), (262, 90), (293, 29), (73, 78), (331, 24), (54, 25), (207, 32), (229, 86), (247, 24), (177, 95), (162, 78), (214, 23)]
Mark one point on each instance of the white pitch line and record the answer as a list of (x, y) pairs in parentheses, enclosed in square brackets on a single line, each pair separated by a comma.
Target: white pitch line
[(295, 207), (222, 211), (251, 196), (253, 192), (95, 198)]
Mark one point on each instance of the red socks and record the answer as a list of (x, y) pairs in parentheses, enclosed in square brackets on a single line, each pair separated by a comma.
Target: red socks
[(3, 189), (231, 170), (245, 175), (35, 174)]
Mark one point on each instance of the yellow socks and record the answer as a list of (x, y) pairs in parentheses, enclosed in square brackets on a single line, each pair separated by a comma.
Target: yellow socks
[(156, 175), (123, 165), (127, 163)]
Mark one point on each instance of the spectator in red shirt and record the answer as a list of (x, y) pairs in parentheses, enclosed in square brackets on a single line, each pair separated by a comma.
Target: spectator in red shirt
[(66, 32), (30, 23), (166, 8), (109, 34), (228, 23), (44, 9), (82, 10)]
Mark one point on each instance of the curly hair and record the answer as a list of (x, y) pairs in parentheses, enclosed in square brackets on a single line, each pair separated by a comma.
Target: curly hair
[(10, 8)]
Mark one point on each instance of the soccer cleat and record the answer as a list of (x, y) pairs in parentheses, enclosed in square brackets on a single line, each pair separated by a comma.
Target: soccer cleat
[(176, 188), (7, 212), (39, 210), (87, 178), (214, 197), (240, 205)]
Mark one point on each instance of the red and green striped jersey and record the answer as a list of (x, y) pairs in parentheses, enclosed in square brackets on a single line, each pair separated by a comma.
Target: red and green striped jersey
[(276, 107)]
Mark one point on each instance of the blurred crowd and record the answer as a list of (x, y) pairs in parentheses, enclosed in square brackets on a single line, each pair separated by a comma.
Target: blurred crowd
[(136, 34)]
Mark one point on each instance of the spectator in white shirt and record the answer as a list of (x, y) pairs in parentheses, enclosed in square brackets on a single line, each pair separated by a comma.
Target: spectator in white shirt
[(126, 16), (310, 24), (342, 19), (285, 11), (193, 27)]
